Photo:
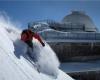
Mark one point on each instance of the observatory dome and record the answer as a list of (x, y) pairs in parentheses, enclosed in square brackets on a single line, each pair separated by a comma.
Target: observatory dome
[(79, 17)]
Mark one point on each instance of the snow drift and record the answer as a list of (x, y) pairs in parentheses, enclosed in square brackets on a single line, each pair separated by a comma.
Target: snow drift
[(47, 61), (15, 66)]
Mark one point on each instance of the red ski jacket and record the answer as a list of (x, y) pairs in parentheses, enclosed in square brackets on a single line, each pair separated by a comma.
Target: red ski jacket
[(27, 35)]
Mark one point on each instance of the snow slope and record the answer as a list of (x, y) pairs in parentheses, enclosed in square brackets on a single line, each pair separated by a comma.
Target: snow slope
[(15, 66)]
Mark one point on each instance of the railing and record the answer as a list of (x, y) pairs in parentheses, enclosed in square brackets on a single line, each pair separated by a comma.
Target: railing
[(71, 35)]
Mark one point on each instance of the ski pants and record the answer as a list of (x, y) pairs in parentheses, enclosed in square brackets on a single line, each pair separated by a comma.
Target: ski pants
[(29, 43), (32, 54)]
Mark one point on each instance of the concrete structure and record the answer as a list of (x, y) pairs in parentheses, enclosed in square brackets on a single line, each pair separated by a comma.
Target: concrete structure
[(74, 38)]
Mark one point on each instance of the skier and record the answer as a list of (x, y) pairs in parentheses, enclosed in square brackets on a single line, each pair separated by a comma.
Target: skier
[(27, 36)]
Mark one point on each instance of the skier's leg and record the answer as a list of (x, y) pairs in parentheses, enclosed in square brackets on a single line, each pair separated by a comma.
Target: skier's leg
[(30, 48), (32, 56), (30, 52)]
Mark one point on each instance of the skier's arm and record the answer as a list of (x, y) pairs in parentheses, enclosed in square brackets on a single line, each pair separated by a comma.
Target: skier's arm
[(38, 38)]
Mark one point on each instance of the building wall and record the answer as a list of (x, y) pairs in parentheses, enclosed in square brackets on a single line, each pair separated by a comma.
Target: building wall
[(87, 75), (75, 51)]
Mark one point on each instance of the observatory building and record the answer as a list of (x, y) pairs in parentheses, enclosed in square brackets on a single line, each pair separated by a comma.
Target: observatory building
[(74, 38)]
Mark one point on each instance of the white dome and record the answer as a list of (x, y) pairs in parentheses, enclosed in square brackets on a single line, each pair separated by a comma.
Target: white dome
[(78, 17)]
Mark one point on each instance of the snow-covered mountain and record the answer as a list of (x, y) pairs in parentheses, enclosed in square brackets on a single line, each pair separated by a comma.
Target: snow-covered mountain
[(14, 63)]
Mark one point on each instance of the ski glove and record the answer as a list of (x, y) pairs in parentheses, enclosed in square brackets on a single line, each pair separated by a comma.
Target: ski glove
[(43, 44)]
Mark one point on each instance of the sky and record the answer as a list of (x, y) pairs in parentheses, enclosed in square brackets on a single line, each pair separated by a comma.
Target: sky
[(24, 11)]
